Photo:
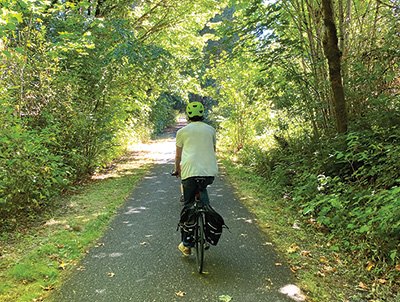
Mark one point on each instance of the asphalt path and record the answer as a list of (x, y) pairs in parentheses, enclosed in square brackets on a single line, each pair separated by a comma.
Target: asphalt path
[(138, 259)]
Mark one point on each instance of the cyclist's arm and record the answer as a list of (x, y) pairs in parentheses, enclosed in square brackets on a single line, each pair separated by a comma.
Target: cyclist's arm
[(178, 158)]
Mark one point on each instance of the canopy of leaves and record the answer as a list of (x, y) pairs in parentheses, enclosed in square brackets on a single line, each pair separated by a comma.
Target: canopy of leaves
[(80, 79)]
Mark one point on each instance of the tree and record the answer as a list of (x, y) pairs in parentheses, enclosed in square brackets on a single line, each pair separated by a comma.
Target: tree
[(332, 53), (77, 76)]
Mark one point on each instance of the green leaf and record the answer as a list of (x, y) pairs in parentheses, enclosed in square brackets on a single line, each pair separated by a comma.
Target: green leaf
[(11, 26), (225, 298), (7, 54), (351, 226), (334, 248), (17, 17), (22, 3), (20, 50), (364, 228), (393, 255), (339, 155)]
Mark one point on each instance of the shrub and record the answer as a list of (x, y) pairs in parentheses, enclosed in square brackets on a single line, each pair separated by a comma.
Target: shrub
[(30, 173), (354, 192), (348, 184)]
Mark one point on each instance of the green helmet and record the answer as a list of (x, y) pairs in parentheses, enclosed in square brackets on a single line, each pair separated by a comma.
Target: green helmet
[(195, 109)]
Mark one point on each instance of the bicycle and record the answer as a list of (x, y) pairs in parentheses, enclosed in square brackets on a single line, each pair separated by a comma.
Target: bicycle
[(200, 243)]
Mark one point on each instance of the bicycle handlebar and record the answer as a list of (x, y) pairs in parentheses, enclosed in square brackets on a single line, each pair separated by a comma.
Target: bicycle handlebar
[(173, 174)]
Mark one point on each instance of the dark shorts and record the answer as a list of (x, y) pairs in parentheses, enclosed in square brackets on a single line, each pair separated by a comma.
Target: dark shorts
[(192, 185)]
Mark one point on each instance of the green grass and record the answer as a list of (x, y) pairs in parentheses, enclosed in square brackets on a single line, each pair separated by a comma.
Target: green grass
[(38, 258), (324, 274)]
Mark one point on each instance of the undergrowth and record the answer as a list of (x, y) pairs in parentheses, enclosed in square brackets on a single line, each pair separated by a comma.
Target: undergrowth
[(346, 191), (35, 258)]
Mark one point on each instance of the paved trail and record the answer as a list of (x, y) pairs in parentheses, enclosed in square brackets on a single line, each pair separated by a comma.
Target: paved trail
[(140, 249)]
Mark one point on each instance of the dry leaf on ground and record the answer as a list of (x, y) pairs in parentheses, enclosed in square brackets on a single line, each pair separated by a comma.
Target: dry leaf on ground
[(328, 269), (63, 265), (305, 253), (47, 288), (369, 266), (293, 248), (294, 269), (323, 260)]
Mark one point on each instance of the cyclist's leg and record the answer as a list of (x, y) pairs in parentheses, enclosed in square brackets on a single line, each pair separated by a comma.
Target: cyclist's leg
[(189, 190), (203, 190)]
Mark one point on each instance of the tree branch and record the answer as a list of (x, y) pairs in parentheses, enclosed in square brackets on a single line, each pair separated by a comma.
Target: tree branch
[(388, 5)]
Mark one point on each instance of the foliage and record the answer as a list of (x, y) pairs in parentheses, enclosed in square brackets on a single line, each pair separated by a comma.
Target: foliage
[(31, 171), (276, 115), (79, 80), (313, 192), (35, 259), (351, 196), (355, 193)]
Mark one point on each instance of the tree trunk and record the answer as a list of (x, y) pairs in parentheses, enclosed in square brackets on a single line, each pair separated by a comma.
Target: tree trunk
[(333, 55), (341, 26)]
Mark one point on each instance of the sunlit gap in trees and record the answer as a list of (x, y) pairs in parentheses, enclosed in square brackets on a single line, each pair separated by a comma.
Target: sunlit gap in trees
[(266, 33)]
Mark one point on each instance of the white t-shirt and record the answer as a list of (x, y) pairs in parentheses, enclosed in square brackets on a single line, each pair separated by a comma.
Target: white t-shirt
[(198, 157)]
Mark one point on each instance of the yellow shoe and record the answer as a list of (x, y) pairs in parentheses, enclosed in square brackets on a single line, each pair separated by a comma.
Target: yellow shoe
[(185, 250)]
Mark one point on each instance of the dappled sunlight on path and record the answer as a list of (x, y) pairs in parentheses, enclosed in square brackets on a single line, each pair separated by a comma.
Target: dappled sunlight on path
[(157, 151), (162, 149)]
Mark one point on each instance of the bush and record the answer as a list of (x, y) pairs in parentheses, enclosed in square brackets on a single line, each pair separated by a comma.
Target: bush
[(30, 173), (353, 193), (348, 185)]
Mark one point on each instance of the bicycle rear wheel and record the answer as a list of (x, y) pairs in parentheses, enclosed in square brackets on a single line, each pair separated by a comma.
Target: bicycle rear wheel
[(199, 245)]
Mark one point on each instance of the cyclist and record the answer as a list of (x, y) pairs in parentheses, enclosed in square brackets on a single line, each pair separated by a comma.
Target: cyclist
[(195, 151)]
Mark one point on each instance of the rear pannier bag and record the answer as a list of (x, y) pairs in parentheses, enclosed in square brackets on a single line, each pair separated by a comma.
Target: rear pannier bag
[(187, 224), (213, 226)]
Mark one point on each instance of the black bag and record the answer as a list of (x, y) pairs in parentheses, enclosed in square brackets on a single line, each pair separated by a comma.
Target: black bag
[(187, 224), (213, 226)]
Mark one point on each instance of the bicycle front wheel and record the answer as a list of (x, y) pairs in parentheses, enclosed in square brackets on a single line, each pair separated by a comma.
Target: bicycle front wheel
[(200, 242)]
